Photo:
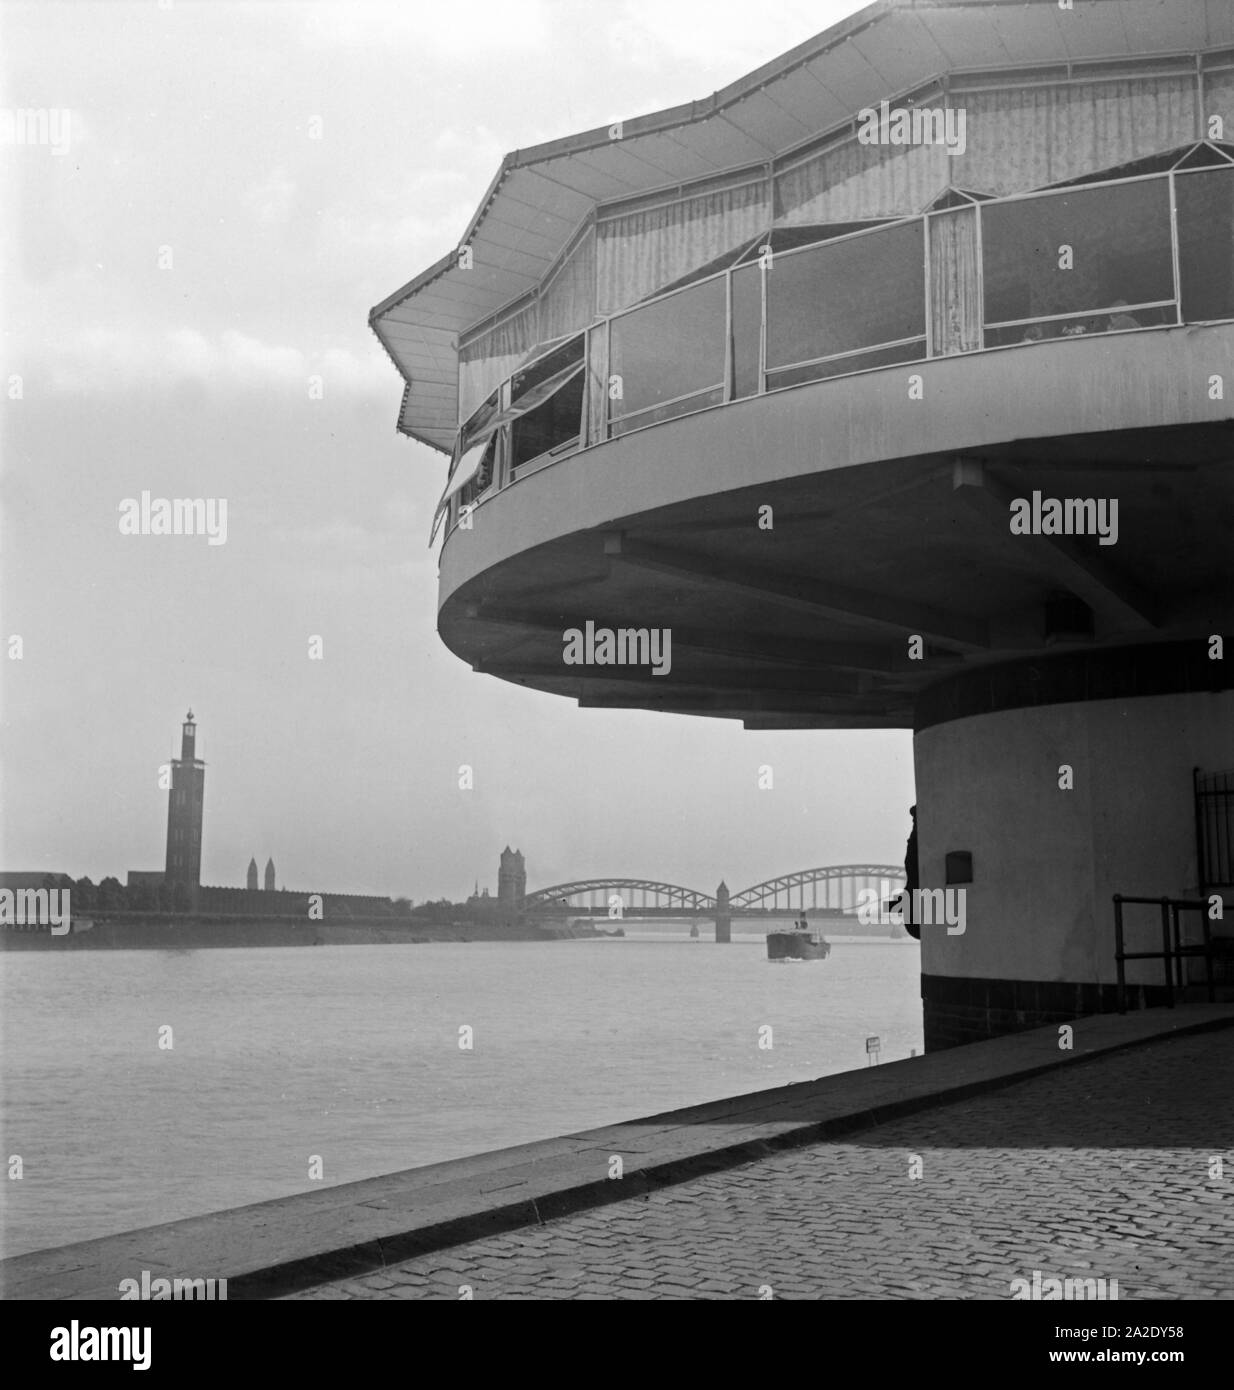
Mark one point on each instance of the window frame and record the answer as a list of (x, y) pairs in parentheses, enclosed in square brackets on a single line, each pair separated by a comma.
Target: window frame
[(886, 227), (611, 418), (987, 325)]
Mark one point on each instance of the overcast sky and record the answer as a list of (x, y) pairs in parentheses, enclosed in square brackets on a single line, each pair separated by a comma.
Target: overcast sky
[(190, 142)]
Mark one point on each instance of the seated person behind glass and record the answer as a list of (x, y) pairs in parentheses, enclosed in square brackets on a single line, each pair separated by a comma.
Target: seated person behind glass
[(484, 474), (1120, 322)]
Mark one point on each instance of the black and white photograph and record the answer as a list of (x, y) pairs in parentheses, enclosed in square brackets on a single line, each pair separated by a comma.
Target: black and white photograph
[(614, 678)]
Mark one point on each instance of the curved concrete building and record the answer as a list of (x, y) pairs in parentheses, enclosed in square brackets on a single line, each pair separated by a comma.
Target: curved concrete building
[(889, 387)]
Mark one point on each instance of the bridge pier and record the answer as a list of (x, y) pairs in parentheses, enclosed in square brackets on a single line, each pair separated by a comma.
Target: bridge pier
[(724, 919)]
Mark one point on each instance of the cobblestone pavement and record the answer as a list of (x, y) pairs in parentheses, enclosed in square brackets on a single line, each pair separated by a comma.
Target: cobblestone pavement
[(1107, 1171)]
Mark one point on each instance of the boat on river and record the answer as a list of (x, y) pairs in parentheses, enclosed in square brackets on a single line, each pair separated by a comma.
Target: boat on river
[(799, 944)]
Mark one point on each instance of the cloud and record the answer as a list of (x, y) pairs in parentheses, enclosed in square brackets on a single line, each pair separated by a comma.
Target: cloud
[(392, 248), (372, 578), (338, 535), (479, 146), (96, 359), (270, 201), (723, 34), (250, 358), (468, 31)]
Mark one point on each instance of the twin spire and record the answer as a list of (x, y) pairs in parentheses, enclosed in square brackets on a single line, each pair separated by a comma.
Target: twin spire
[(252, 876)]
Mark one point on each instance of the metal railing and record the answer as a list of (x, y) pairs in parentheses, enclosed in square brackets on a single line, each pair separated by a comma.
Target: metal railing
[(1173, 952), (1214, 829), (609, 421)]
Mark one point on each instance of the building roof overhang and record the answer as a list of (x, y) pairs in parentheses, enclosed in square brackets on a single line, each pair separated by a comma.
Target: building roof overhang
[(542, 195)]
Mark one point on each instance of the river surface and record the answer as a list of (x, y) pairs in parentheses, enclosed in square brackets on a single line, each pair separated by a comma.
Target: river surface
[(352, 1054)]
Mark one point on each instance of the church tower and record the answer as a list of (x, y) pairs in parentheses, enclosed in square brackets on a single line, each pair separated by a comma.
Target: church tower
[(251, 883), (269, 875), (511, 877), (184, 811)]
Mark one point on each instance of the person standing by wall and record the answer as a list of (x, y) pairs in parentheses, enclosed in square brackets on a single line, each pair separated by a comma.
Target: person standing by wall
[(911, 879)]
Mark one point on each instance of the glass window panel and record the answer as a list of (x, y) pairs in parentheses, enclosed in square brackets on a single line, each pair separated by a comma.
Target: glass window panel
[(747, 329), (1204, 156), (482, 477), (846, 295), (551, 426), (596, 406), (674, 347), (1121, 319), (1120, 251), (840, 366), (480, 421), (546, 367), (660, 413), (808, 234), (1206, 244)]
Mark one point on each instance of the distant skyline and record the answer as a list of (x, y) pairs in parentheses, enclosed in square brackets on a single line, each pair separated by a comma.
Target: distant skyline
[(181, 284)]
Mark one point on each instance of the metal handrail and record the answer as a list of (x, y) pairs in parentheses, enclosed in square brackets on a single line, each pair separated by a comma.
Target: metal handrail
[(604, 322), (1172, 951)]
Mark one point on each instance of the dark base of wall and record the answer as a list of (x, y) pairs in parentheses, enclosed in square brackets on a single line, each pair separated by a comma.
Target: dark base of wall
[(960, 1010)]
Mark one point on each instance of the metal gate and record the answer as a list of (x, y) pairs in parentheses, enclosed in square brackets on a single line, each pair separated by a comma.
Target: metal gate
[(1214, 830)]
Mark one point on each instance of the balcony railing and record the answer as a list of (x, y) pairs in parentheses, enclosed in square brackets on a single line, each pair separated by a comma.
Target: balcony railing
[(1128, 255)]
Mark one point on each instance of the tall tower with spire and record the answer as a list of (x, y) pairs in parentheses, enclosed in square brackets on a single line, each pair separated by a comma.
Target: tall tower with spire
[(251, 882), (185, 809), (269, 875)]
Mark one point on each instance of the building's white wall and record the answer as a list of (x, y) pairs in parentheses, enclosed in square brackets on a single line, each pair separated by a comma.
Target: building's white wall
[(1047, 862)]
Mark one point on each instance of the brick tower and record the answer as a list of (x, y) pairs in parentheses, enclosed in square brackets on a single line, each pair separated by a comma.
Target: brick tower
[(511, 877), (184, 812)]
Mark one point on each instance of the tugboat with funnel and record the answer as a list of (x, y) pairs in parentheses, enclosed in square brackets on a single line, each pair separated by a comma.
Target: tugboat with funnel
[(799, 944)]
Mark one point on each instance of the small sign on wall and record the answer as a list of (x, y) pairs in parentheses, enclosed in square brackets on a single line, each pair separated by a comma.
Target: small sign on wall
[(959, 866)]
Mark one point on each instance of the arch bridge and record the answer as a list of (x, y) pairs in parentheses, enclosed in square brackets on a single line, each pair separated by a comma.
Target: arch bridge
[(639, 897), (832, 889)]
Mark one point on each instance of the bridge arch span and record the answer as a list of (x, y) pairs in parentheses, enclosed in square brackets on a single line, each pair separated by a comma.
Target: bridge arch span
[(836, 884), (634, 893)]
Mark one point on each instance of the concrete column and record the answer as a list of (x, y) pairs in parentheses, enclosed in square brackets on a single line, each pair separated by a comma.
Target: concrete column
[(1061, 805)]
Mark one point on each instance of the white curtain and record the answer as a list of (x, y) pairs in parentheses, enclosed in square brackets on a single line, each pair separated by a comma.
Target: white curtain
[(528, 401), (1025, 139), (568, 302), (1219, 101), (1014, 141), (641, 252), (566, 306), (955, 282), (487, 361), (852, 182), (596, 387)]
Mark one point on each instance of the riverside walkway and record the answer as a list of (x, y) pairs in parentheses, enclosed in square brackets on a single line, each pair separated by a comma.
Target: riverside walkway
[(1103, 1171), (944, 1176)]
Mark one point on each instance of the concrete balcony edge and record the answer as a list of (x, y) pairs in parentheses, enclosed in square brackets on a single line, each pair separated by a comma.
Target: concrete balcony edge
[(969, 404)]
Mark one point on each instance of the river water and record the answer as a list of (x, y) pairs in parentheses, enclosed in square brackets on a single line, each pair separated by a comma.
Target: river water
[(352, 1054)]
